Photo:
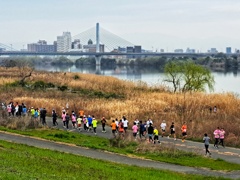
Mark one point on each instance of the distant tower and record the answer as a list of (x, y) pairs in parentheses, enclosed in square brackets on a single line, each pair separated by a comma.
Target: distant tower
[(97, 38), (97, 57)]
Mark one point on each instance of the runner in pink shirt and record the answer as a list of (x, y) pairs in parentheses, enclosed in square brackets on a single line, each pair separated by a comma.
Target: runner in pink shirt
[(216, 136), (135, 130), (221, 136)]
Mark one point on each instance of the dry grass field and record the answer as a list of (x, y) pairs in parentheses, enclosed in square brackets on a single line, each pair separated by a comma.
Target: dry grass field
[(112, 98)]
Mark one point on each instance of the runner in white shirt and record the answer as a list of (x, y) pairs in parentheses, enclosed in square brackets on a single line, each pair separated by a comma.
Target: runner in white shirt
[(125, 124), (163, 127)]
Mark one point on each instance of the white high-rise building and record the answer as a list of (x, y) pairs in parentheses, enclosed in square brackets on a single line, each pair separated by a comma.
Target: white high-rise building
[(64, 42)]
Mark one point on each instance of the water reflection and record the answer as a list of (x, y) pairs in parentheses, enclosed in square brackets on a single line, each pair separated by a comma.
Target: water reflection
[(226, 81)]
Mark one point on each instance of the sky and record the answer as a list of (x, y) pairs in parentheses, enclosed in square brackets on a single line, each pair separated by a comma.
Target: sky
[(154, 24)]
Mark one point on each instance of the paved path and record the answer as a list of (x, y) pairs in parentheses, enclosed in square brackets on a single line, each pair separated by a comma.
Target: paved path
[(96, 154), (228, 154)]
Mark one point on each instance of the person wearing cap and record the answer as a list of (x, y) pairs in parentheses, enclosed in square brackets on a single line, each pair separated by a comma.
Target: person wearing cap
[(163, 127)]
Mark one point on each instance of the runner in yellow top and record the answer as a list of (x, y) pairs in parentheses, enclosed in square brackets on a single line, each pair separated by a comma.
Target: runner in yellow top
[(94, 124), (155, 132)]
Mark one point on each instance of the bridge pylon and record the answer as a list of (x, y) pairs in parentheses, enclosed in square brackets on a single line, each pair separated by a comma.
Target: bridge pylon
[(98, 57)]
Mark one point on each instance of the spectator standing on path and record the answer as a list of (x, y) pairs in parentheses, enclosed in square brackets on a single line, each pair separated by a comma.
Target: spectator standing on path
[(184, 131), (163, 127), (54, 118), (135, 130), (94, 125), (103, 121), (125, 124), (221, 137), (216, 136), (114, 127), (150, 133), (155, 133), (206, 140)]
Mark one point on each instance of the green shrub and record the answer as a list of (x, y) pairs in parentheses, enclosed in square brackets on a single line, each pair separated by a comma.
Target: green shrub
[(62, 88)]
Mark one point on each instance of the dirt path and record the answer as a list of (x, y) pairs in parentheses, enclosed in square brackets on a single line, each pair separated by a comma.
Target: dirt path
[(96, 154)]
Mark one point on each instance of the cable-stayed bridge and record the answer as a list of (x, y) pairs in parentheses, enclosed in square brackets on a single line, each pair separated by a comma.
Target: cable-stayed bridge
[(100, 36)]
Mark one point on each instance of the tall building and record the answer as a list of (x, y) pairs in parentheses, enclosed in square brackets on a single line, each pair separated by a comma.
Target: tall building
[(213, 50), (41, 46), (228, 50), (64, 42)]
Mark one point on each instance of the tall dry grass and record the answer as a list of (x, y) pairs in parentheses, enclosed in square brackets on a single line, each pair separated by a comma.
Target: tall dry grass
[(139, 101)]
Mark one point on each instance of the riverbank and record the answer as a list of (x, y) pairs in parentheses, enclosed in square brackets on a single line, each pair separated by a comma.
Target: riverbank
[(113, 98)]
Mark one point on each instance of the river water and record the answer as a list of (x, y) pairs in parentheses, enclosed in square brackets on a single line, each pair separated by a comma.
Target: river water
[(224, 81)]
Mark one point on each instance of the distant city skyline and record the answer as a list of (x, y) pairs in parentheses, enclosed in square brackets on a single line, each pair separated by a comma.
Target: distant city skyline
[(168, 25)]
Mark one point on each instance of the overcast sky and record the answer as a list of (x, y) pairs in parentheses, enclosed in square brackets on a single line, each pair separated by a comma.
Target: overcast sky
[(154, 24)]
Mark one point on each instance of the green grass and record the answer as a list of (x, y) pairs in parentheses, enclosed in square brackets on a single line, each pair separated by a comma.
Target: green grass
[(25, 162), (163, 154)]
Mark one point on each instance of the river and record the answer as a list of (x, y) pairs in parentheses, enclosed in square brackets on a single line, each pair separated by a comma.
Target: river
[(224, 81)]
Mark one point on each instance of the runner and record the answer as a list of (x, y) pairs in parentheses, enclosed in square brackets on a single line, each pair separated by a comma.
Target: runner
[(121, 129), (155, 132), (74, 120), (184, 131), (85, 123), (135, 130), (142, 130), (43, 114), (125, 124), (67, 118), (216, 136), (163, 127), (103, 121), (94, 125), (221, 137), (206, 140), (64, 118), (116, 122), (54, 117), (150, 133), (172, 131), (114, 127), (81, 113), (79, 123), (89, 120)]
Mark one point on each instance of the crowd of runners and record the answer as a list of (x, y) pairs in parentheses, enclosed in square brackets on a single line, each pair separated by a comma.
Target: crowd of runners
[(143, 130)]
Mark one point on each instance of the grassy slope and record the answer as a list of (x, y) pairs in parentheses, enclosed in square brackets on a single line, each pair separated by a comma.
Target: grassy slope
[(161, 154), (24, 162)]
